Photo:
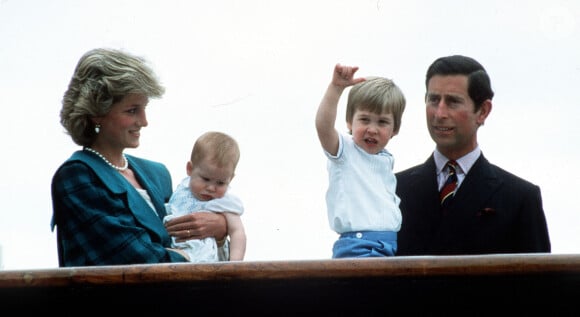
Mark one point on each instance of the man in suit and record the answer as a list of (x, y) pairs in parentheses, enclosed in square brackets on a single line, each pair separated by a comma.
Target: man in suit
[(491, 210)]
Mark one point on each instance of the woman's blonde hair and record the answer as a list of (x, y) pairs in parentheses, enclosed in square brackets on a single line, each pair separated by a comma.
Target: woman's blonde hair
[(101, 78)]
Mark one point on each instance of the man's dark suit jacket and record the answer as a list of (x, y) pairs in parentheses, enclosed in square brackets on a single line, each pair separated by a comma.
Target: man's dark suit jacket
[(493, 211)]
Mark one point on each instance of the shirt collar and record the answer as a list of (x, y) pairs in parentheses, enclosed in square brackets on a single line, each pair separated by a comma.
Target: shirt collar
[(465, 162)]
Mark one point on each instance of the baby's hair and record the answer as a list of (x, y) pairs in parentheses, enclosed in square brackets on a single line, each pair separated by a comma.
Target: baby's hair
[(219, 147)]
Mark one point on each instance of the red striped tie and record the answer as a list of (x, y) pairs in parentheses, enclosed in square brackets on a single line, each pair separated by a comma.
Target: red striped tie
[(448, 189)]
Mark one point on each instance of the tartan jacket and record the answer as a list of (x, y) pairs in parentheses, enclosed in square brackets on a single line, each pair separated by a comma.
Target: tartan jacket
[(101, 219)]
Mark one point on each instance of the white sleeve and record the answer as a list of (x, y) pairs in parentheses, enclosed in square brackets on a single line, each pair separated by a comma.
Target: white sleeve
[(229, 203)]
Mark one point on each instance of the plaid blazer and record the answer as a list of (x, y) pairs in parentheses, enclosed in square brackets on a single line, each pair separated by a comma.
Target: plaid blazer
[(101, 219)]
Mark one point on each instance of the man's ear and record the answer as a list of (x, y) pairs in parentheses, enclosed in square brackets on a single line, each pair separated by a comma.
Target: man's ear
[(484, 111)]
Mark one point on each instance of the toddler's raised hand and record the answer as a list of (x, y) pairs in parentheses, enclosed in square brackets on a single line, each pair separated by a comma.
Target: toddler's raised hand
[(343, 76)]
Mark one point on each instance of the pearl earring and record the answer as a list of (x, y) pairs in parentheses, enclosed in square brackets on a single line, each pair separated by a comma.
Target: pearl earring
[(97, 128)]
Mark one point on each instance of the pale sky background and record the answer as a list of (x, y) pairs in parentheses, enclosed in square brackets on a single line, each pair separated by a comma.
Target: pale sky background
[(257, 70)]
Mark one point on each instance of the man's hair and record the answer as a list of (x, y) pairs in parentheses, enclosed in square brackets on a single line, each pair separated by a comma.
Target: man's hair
[(478, 82)]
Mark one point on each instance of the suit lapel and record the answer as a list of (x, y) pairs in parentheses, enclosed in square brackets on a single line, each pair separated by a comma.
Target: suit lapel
[(139, 169), (424, 183), (479, 184), (119, 186)]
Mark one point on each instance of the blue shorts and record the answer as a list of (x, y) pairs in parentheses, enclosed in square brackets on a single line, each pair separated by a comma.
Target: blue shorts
[(358, 244)]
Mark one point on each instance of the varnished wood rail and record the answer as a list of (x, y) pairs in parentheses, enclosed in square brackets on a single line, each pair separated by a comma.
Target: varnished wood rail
[(462, 285)]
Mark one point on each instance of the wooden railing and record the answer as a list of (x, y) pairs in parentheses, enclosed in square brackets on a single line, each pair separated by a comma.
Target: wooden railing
[(462, 285)]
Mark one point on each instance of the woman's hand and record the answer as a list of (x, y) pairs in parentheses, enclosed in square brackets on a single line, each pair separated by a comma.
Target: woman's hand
[(197, 225)]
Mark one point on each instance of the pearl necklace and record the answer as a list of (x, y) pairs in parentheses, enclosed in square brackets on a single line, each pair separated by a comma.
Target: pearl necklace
[(118, 168)]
